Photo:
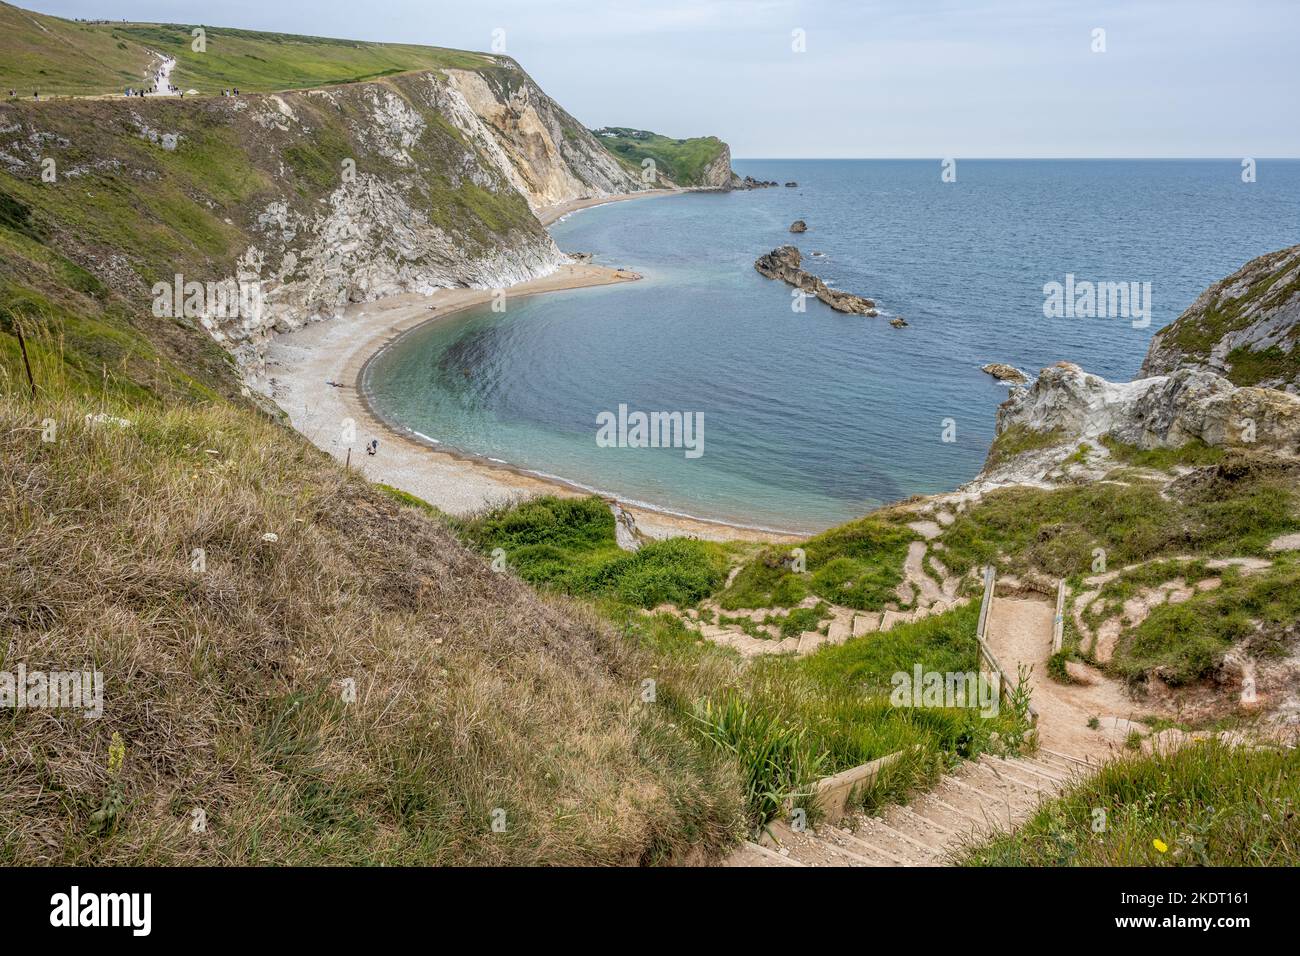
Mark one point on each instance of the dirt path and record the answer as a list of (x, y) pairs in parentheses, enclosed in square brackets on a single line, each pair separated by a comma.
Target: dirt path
[(1020, 632), (163, 78)]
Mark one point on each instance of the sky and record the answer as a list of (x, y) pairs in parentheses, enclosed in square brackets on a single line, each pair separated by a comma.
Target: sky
[(894, 78)]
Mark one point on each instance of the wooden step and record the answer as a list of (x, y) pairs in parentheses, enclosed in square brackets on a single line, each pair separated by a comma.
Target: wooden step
[(922, 822), (755, 854), (883, 830), (1033, 779), (1069, 760)]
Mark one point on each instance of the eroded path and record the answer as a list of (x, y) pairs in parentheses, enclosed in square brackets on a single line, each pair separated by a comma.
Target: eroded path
[(752, 633), (1019, 633)]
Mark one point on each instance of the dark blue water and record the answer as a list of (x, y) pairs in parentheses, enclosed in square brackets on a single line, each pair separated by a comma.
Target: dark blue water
[(811, 419)]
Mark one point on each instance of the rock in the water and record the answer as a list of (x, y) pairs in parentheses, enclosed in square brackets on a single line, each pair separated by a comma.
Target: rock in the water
[(784, 264), (1005, 373), (898, 322), (792, 183), (798, 226), (749, 182)]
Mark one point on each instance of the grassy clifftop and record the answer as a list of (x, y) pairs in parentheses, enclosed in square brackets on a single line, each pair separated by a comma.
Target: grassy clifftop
[(1245, 327), (64, 57), (687, 162)]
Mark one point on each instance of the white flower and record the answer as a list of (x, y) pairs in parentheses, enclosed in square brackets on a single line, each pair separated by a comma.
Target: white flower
[(271, 536)]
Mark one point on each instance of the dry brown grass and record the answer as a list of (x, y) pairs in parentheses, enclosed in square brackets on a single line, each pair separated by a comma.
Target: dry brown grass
[(472, 692)]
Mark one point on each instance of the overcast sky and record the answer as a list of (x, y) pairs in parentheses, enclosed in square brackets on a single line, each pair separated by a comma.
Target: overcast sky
[(924, 78)]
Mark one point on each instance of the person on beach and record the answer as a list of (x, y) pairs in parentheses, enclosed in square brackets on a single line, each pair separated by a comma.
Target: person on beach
[(372, 447)]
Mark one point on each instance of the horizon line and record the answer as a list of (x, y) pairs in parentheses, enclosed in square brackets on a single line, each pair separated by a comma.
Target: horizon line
[(1100, 159)]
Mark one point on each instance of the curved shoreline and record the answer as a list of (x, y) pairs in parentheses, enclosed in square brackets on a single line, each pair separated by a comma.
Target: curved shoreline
[(316, 375), (435, 446)]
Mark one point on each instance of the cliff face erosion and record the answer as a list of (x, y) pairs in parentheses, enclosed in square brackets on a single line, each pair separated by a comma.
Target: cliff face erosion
[(317, 198)]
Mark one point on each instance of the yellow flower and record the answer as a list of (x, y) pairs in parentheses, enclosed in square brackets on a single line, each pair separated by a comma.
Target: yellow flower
[(1159, 845), (116, 754)]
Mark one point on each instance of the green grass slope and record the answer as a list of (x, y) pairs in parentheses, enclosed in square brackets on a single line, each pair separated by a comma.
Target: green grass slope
[(56, 56), (226, 684), (786, 720), (684, 161), (63, 57)]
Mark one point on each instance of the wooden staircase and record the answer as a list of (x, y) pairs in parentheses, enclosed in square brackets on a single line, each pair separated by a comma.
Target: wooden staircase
[(977, 799)]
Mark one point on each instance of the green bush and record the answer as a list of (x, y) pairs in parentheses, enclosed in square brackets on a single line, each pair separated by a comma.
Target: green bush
[(857, 565), (568, 544)]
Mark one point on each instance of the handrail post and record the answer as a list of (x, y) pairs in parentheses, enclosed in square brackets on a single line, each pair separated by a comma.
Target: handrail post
[(1058, 623), (986, 654)]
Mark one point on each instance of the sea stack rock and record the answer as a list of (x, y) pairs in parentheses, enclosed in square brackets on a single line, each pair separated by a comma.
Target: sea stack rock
[(798, 226), (1005, 373), (791, 184), (783, 264)]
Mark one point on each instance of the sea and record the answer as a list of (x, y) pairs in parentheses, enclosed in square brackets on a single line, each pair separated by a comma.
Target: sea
[(800, 417)]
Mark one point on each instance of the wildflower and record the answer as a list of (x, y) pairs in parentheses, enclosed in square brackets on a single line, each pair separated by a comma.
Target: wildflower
[(116, 754)]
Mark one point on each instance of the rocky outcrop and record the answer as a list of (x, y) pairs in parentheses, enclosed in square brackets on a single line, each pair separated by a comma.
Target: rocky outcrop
[(784, 264), (749, 182), (1005, 373), (1245, 327), (798, 226), (700, 162), (718, 174), (626, 534), (1164, 411)]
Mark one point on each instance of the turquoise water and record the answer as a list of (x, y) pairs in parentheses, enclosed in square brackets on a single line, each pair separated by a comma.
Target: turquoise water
[(811, 419)]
